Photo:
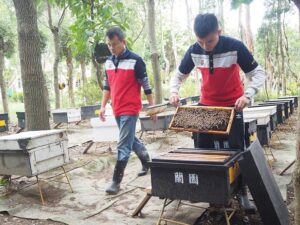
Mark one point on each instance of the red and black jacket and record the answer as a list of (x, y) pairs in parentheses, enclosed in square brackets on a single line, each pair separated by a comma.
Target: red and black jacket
[(220, 69), (125, 75)]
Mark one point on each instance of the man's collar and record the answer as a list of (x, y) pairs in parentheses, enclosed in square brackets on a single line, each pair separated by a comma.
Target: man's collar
[(122, 55), (218, 46)]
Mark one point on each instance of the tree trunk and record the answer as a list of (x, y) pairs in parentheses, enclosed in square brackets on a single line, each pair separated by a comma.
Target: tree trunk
[(83, 78), (297, 3), (83, 72), (296, 174), (99, 75), (153, 51), (188, 17), (55, 68), (221, 14), (269, 68), (241, 27), (55, 33), (299, 20), (279, 28), (2, 81), (31, 68), (163, 50), (70, 76), (278, 71), (249, 36), (173, 38), (200, 2)]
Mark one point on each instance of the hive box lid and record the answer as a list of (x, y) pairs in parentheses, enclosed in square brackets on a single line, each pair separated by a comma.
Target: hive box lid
[(250, 120), (31, 139), (262, 117), (198, 156), (269, 109), (143, 116), (263, 186), (287, 98)]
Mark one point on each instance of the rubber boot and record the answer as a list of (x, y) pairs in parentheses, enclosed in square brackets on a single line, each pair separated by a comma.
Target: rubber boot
[(244, 201), (144, 158), (114, 187)]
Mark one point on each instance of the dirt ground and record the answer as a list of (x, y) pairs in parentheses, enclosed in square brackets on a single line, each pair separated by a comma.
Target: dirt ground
[(120, 208)]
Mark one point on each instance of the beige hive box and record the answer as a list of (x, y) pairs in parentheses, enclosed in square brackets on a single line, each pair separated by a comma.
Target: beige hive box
[(33, 152)]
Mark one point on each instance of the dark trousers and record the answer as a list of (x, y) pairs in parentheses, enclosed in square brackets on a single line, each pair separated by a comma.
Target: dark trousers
[(235, 139)]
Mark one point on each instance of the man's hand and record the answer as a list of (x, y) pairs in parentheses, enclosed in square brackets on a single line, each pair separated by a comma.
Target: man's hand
[(174, 99), (241, 103), (102, 114)]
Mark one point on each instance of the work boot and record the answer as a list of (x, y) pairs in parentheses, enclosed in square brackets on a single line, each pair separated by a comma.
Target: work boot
[(144, 158), (117, 178), (244, 201)]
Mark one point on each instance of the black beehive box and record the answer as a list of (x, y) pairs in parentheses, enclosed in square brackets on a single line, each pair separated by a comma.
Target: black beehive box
[(280, 110), (263, 186), (196, 175)]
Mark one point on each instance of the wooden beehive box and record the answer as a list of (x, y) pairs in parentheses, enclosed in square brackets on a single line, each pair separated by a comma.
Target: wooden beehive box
[(203, 119), (33, 152)]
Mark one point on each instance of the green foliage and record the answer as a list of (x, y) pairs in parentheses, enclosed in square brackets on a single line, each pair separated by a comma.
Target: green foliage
[(90, 92), (43, 41), (8, 39), (293, 87), (17, 97), (92, 21), (4, 182), (263, 95), (64, 41), (267, 45), (190, 87), (236, 3)]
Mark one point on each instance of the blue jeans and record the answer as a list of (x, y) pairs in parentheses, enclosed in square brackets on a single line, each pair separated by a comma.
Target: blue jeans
[(127, 140)]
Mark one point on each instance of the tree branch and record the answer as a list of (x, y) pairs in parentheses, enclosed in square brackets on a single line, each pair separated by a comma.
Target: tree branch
[(138, 36), (62, 16), (49, 16)]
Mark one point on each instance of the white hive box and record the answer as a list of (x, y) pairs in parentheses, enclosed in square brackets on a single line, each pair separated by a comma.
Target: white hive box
[(268, 109), (66, 115), (162, 123), (263, 118), (33, 152)]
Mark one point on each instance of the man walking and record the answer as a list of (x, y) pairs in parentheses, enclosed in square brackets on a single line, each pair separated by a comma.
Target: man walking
[(125, 75)]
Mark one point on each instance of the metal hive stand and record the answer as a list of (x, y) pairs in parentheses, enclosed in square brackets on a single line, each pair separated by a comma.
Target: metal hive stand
[(228, 212), (50, 179)]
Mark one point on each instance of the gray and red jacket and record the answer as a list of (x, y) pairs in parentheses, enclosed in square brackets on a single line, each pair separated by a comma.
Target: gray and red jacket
[(125, 75), (221, 83)]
